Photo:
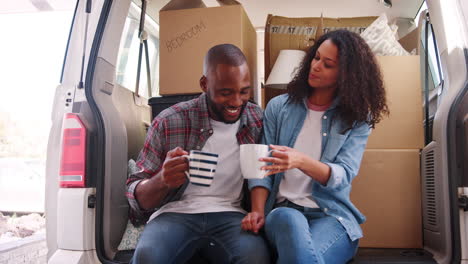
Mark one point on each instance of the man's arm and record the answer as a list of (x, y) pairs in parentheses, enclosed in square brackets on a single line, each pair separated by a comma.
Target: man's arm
[(152, 182), (150, 192)]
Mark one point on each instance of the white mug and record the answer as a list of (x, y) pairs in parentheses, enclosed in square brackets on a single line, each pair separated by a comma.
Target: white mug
[(250, 165), (202, 167)]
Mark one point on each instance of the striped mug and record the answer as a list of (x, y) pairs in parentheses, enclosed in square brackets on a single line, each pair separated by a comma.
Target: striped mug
[(202, 167)]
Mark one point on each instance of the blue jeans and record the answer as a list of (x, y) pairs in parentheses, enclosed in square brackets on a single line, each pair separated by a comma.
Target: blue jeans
[(218, 237), (307, 235)]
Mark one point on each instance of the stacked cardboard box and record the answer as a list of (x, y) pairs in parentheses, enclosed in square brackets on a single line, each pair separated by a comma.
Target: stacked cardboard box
[(300, 33), (187, 34), (388, 187)]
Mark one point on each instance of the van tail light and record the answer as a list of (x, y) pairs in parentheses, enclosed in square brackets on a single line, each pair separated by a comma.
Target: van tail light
[(73, 159)]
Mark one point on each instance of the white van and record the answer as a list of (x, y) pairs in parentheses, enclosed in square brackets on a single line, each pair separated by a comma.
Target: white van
[(100, 120)]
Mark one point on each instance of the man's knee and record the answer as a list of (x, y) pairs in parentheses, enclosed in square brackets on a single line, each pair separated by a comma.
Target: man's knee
[(254, 249), (148, 254), (164, 240)]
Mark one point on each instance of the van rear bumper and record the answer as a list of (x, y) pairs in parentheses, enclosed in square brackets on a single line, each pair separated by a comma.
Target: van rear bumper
[(75, 221), (74, 257)]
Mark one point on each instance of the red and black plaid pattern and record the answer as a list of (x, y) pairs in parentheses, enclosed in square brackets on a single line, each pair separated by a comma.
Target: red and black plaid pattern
[(184, 125)]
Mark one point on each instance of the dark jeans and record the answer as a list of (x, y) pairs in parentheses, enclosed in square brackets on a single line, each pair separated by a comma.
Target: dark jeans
[(218, 237)]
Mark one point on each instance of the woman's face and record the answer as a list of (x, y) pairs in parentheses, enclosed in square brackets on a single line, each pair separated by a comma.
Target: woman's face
[(324, 67)]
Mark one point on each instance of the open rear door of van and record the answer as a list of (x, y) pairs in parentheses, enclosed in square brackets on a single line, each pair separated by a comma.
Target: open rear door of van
[(444, 158), (70, 179), (122, 114)]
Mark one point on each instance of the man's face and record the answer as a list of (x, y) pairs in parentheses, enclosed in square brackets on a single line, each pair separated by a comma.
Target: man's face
[(228, 90)]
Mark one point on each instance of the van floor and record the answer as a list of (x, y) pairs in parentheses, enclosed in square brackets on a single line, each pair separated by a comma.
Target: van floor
[(364, 256), (391, 255)]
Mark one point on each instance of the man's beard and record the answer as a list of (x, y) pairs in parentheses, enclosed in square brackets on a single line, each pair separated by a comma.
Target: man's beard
[(219, 114)]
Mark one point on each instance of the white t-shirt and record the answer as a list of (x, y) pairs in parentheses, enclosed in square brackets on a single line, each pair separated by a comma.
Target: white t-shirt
[(225, 191), (297, 186)]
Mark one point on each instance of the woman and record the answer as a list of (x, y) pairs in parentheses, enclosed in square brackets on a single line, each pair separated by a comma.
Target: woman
[(318, 132)]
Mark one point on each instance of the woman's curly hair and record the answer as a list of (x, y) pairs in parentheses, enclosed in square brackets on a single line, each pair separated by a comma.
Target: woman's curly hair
[(359, 86)]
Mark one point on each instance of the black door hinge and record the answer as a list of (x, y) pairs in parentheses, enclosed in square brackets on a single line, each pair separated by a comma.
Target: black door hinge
[(463, 202), (92, 201)]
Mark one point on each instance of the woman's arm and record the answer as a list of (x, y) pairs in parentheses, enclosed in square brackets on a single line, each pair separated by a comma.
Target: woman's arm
[(339, 171), (270, 120), (286, 158), (260, 188), (255, 220)]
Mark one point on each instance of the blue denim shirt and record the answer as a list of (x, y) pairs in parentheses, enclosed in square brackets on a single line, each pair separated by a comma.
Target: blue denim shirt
[(342, 150)]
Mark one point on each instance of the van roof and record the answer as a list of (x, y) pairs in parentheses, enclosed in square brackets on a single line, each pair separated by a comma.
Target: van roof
[(259, 9)]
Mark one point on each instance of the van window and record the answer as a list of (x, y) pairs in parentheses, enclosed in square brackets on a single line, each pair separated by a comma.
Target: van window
[(422, 8), (434, 77), (127, 61), (464, 9), (434, 60)]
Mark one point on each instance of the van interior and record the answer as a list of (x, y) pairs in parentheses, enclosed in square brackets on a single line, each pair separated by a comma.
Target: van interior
[(415, 166)]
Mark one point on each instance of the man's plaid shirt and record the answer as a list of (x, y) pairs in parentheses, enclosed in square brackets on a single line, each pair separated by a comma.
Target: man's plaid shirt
[(185, 125)]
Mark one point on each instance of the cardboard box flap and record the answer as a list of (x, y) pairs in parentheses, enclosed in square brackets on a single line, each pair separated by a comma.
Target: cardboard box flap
[(289, 33), (410, 41), (183, 4), (227, 2), (355, 24), (302, 32), (188, 4)]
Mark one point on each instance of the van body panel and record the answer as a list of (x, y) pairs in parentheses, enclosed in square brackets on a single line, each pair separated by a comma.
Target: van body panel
[(52, 186), (464, 228), (114, 201), (436, 231), (75, 219), (73, 257), (448, 25)]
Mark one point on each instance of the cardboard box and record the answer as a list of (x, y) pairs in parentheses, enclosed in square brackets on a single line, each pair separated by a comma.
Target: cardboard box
[(185, 37), (288, 33), (301, 33), (403, 129), (388, 192), (410, 41), (355, 24)]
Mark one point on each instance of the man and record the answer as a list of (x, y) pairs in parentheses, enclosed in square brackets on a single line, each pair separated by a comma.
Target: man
[(190, 219)]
